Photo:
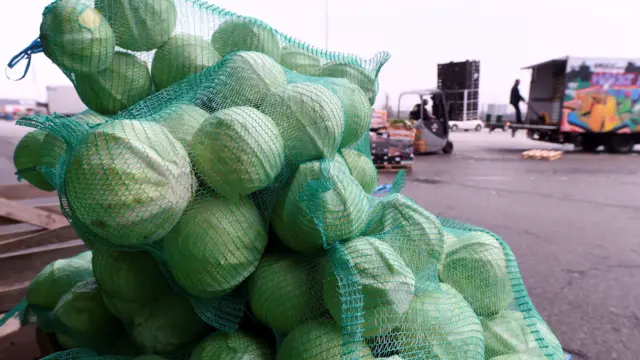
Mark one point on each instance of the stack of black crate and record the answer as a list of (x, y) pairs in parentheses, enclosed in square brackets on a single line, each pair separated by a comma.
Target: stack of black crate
[(453, 79)]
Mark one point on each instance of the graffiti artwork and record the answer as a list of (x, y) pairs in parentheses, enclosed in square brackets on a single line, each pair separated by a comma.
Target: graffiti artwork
[(602, 96)]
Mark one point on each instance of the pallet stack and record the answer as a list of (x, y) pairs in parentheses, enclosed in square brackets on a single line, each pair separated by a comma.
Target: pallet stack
[(455, 79), (391, 142)]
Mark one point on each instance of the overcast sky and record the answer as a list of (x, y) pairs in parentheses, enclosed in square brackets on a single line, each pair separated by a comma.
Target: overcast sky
[(504, 35)]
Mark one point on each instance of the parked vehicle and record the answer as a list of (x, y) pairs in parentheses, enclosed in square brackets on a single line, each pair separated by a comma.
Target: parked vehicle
[(475, 125), (589, 102)]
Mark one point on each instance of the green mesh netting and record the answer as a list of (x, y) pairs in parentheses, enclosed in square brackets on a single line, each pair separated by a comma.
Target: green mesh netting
[(222, 178)]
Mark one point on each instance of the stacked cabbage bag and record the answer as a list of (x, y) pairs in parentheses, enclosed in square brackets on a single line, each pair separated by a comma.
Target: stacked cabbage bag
[(223, 182)]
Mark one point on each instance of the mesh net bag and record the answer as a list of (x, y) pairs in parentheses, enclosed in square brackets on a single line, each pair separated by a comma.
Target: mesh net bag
[(222, 178)]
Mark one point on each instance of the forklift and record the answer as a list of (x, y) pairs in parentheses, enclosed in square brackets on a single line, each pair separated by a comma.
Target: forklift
[(432, 134)]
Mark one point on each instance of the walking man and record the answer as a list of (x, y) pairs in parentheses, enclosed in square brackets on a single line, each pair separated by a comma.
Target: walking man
[(515, 100)]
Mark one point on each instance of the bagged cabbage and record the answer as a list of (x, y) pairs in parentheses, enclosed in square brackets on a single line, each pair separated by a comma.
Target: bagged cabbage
[(238, 151), (506, 333), (355, 75), (440, 324), (76, 37), (216, 245), (285, 291), (84, 318), (300, 61), (239, 79), (167, 325), (27, 157), (235, 345), (414, 233), (124, 82), (180, 57), (476, 266), (387, 285), (246, 35), (55, 280), (318, 340), (128, 181), (128, 275), (182, 121), (342, 210), (140, 25), (309, 118), (362, 169), (355, 108)]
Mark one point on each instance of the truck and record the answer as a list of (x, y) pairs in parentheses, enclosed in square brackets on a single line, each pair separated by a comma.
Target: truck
[(587, 102)]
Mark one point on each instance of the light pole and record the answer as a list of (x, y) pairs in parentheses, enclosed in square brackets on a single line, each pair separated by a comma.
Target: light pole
[(326, 24)]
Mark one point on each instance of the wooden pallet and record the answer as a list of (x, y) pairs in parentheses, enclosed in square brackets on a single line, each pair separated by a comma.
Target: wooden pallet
[(539, 154), (33, 233), (394, 167)]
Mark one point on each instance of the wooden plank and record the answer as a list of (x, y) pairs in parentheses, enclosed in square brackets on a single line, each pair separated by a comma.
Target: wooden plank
[(15, 235), (49, 207), (394, 167), (20, 345), (21, 267), (48, 237), (23, 191), (24, 213)]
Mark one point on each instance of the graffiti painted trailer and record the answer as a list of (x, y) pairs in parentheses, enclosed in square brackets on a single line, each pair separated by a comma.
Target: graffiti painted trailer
[(590, 102)]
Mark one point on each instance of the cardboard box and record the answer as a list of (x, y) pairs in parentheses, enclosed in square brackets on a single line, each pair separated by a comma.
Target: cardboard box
[(378, 119)]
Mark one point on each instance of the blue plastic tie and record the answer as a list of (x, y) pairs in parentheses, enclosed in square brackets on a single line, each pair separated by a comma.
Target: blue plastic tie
[(383, 188), (34, 48)]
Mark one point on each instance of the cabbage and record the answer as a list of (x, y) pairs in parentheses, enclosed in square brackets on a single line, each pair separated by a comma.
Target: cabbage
[(531, 354), (414, 233), (28, 155), (284, 291), (343, 209), (238, 151), (76, 37), (167, 325), (355, 75), (124, 310), (129, 181), (386, 283), (476, 266), (362, 169), (506, 333), (182, 121), (54, 148), (309, 118), (247, 35), (235, 345), (85, 318), (300, 61), (180, 57), (122, 84), (355, 108), (84, 256), (317, 340), (55, 280), (547, 335), (216, 245), (240, 79), (140, 25), (128, 275), (440, 324)]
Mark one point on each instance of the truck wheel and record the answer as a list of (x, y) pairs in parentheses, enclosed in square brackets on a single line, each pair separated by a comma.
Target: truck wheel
[(590, 143), (448, 148), (454, 127), (620, 144)]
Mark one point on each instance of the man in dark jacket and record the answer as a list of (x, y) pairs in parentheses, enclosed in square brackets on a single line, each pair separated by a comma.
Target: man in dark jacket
[(515, 101), (415, 113)]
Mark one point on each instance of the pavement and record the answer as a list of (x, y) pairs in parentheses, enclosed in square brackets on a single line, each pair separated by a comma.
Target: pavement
[(570, 222)]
